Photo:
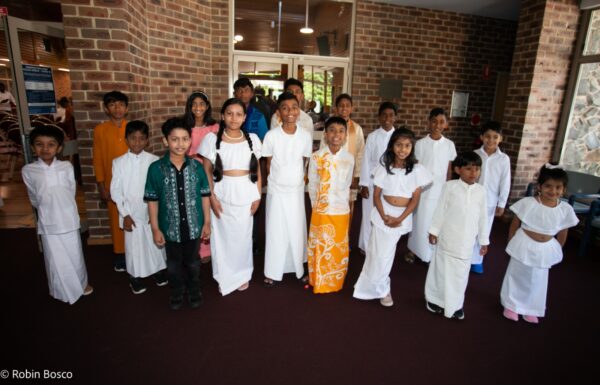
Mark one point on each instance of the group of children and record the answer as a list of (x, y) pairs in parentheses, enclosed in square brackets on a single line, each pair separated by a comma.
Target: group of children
[(199, 199)]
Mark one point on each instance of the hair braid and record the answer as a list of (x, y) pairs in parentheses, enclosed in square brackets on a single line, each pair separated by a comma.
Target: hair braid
[(218, 166), (253, 160)]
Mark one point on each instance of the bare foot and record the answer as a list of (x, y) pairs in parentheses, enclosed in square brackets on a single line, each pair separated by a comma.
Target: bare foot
[(88, 290)]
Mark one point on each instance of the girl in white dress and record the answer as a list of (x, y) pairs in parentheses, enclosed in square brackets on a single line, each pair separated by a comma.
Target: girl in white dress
[(231, 164), (397, 188), (536, 237)]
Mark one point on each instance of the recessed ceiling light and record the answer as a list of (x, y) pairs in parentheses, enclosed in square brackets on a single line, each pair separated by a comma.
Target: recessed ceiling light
[(238, 38)]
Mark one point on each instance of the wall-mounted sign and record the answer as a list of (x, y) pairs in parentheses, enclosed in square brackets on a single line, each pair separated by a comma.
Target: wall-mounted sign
[(39, 89), (3, 11), (460, 102)]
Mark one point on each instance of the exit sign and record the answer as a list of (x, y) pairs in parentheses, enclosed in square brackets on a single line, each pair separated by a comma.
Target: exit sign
[(3, 11)]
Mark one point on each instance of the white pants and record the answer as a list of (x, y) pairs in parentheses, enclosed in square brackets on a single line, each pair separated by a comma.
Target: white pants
[(446, 282), (285, 233), (524, 289), (65, 267), (365, 223)]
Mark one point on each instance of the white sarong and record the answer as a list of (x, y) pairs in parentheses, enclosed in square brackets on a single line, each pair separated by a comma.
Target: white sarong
[(142, 257), (418, 240), (524, 289), (65, 267), (365, 224), (285, 230), (477, 258), (231, 235), (446, 282)]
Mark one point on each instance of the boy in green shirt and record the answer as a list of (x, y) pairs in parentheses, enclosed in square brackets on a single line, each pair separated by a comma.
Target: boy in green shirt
[(178, 194)]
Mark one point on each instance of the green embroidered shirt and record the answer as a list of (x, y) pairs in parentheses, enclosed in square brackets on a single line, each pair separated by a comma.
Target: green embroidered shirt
[(179, 194)]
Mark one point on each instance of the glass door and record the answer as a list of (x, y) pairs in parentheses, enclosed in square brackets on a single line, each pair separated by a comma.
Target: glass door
[(266, 73)]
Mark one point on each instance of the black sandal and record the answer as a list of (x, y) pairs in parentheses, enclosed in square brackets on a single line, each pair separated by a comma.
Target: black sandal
[(304, 279), (268, 282)]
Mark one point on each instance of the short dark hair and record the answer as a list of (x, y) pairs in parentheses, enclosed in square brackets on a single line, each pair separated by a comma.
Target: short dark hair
[(387, 106), (49, 131), (293, 82), (243, 82), (437, 111), (115, 96), (467, 158), (491, 126), (137, 125), (547, 173), (172, 124), (286, 96), (335, 120), (342, 97)]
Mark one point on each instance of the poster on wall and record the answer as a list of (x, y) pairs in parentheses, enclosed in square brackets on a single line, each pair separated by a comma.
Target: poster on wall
[(39, 89)]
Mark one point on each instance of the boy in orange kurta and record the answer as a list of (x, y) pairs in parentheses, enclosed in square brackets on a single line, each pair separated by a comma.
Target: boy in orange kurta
[(109, 143)]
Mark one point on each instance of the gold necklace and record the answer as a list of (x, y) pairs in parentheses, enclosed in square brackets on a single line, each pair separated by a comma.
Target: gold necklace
[(231, 138)]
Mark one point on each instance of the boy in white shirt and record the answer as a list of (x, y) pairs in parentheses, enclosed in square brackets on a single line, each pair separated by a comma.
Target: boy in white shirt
[(286, 148), (459, 217), (495, 177), (51, 188), (142, 257), (295, 87), (436, 153)]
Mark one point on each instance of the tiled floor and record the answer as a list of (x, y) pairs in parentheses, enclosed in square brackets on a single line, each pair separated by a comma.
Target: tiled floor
[(17, 212)]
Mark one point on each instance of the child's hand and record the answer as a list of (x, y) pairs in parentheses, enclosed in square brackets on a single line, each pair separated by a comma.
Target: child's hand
[(254, 206), (205, 231), (158, 237), (483, 250), (216, 206), (432, 239), (499, 211), (364, 192), (395, 222), (128, 223)]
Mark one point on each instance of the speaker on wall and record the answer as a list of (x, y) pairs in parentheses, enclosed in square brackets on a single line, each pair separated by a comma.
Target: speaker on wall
[(390, 88), (323, 44)]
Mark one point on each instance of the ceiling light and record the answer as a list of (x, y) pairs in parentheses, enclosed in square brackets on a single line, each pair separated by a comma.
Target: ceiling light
[(238, 38), (306, 29), (64, 69)]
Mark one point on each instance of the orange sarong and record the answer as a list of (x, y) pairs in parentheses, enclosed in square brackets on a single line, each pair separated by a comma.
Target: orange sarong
[(328, 252)]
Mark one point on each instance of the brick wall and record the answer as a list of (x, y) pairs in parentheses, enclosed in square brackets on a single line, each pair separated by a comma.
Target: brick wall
[(434, 53), (156, 51), (541, 64)]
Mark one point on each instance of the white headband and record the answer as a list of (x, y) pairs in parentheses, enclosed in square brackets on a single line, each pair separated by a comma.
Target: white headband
[(553, 166)]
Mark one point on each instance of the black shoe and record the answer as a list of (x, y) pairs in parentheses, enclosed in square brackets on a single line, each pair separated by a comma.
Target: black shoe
[(176, 302), (119, 263), (459, 314), (196, 300), (432, 307), (161, 278), (119, 269), (136, 285), (268, 282)]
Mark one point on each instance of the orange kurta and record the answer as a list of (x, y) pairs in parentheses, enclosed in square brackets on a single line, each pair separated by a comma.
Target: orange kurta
[(109, 143)]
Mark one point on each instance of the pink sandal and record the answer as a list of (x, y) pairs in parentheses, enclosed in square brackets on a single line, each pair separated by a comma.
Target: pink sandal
[(511, 315)]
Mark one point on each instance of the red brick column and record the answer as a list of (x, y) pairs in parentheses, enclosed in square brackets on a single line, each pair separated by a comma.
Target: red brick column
[(541, 64)]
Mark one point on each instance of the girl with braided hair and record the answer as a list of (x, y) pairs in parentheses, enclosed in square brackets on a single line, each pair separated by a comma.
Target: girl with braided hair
[(230, 159)]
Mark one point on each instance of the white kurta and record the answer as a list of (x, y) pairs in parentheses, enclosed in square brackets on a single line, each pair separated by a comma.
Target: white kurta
[(285, 227), (376, 145), (435, 155), (304, 120), (495, 177), (526, 280), (231, 234), (374, 280), (458, 219), (142, 257), (51, 190)]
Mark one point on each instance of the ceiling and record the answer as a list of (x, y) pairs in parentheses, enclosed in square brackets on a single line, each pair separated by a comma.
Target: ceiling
[(499, 9)]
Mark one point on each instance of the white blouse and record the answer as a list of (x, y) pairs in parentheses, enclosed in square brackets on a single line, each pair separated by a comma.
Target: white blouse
[(399, 184), (435, 156), (234, 156), (495, 176), (536, 217), (51, 191), (329, 180)]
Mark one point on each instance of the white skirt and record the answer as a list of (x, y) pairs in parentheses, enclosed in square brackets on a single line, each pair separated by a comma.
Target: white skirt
[(365, 223), (524, 289), (533, 253), (142, 257), (478, 258), (65, 267), (446, 282), (418, 240), (231, 235), (374, 279), (285, 232)]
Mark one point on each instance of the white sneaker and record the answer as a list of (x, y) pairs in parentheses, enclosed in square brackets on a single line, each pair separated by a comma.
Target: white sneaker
[(387, 301)]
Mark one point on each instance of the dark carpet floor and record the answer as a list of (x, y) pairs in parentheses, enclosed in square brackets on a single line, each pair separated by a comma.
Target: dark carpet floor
[(287, 335)]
